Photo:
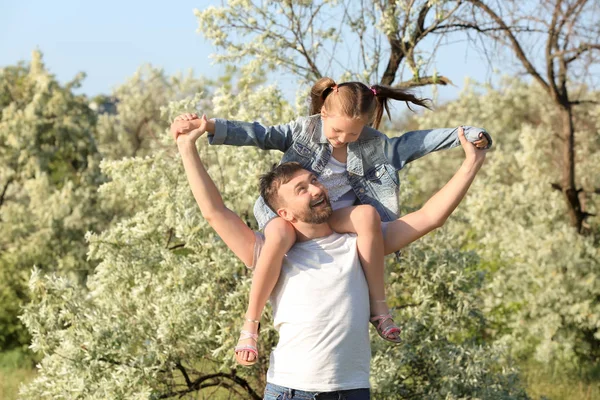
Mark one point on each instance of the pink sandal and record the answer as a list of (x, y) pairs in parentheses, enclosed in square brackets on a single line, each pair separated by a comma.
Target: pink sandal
[(252, 349), (385, 333)]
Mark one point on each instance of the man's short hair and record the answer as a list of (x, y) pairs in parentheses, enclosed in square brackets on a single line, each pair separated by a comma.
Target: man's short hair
[(272, 181)]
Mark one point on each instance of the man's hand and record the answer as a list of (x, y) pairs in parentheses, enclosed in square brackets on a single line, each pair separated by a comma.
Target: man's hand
[(188, 127)]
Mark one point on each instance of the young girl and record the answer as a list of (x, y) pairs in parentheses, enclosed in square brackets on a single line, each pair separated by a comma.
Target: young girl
[(355, 162)]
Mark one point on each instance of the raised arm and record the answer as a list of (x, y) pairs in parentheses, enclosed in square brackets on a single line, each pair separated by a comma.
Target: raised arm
[(416, 144), (238, 133), (230, 227), (438, 208)]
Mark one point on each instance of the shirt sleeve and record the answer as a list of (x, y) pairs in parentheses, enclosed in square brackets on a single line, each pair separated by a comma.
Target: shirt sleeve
[(238, 133), (415, 144)]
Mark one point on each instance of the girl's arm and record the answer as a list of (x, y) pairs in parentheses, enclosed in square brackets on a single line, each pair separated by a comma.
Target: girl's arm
[(415, 144), (238, 133), (438, 208)]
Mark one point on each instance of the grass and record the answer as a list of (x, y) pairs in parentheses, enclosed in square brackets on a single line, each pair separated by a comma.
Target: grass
[(542, 383), (16, 367), (10, 380)]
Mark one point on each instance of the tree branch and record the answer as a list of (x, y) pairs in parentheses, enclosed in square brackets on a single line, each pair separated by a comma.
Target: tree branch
[(514, 42), (577, 102), (408, 47), (4, 190), (169, 238), (571, 13), (459, 26), (580, 50), (218, 378), (299, 35), (396, 54), (424, 81), (185, 374), (138, 135), (408, 305)]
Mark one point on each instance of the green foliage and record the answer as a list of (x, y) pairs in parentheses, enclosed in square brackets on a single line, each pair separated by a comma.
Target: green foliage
[(130, 122), (311, 39), (48, 179), (167, 295), (557, 384), (11, 378), (436, 286), (49, 170), (543, 289)]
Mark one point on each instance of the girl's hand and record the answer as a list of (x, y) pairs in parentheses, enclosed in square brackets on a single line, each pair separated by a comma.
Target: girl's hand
[(483, 142), (186, 117), (184, 130), (474, 155)]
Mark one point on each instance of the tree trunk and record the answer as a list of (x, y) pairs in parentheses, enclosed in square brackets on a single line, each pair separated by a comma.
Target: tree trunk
[(576, 214)]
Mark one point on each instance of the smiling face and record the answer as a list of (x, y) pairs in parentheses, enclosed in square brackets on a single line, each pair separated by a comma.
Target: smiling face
[(341, 130), (304, 199)]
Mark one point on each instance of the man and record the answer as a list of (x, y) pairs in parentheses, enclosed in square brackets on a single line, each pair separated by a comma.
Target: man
[(320, 303)]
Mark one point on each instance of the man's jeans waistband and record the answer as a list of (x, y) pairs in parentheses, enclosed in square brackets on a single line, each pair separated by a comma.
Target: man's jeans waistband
[(274, 392)]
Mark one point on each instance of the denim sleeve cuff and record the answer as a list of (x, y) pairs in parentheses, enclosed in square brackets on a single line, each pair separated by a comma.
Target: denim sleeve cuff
[(220, 132), (472, 134)]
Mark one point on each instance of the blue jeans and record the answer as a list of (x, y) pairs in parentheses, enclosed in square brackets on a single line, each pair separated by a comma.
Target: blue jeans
[(274, 392)]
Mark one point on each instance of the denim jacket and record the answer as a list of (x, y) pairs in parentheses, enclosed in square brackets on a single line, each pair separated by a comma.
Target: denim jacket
[(373, 160)]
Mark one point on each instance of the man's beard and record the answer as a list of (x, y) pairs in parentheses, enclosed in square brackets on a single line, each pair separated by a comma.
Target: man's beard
[(318, 213)]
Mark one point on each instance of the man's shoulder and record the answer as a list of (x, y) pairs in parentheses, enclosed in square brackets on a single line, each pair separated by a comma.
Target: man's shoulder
[(311, 246)]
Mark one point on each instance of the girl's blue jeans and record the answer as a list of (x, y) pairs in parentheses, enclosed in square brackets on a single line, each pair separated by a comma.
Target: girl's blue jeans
[(274, 392)]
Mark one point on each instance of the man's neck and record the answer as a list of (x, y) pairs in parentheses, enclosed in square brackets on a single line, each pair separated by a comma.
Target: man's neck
[(306, 231)]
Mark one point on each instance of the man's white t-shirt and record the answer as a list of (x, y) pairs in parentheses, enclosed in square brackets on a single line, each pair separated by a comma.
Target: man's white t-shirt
[(321, 310)]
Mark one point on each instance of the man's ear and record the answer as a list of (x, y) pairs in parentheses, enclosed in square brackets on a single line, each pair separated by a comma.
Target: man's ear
[(286, 215)]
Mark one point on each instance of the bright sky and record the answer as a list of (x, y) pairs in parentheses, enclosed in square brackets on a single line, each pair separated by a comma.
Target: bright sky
[(109, 39)]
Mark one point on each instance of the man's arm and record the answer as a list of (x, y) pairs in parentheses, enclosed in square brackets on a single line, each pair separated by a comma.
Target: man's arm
[(438, 208), (230, 227), (415, 144)]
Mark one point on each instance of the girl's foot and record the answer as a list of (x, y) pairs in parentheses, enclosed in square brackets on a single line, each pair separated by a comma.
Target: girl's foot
[(383, 322), (246, 352)]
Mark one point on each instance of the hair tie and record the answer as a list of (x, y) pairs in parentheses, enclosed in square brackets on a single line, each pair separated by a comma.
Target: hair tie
[(373, 90), (328, 90)]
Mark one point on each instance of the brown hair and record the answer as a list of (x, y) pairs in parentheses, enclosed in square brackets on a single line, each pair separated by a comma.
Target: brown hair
[(272, 181), (357, 100)]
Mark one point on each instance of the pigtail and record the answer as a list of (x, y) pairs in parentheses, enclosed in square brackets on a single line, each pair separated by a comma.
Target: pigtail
[(384, 93), (318, 94), (357, 100)]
